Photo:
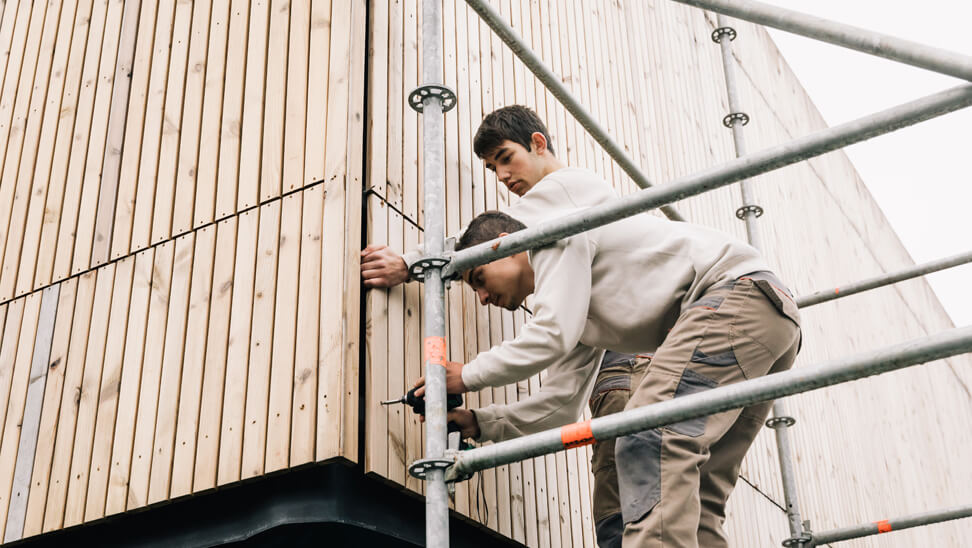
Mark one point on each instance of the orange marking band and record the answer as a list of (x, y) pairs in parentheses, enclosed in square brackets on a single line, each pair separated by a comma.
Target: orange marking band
[(576, 435), (435, 350), (883, 526)]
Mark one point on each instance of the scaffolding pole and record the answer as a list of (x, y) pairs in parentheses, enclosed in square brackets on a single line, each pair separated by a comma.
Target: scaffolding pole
[(815, 144), (781, 421), (433, 99), (941, 345), (553, 83), (883, 280), (888, 525), (839, 34)]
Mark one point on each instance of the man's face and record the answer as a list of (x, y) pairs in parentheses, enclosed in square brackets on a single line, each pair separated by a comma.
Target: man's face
[(515, 166), (505, 282)]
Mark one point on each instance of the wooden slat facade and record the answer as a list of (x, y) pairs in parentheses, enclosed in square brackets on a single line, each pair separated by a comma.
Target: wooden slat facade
[(192, 181)]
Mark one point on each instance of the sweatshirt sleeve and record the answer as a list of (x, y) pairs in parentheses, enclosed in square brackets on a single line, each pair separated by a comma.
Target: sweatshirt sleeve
[(562, 281), (560, 401)]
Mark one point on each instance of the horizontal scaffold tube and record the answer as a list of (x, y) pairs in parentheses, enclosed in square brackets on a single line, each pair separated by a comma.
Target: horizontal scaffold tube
[(552, 82), (840, 34), (815, 144), (883, 280), (742, 394), (889, 525)]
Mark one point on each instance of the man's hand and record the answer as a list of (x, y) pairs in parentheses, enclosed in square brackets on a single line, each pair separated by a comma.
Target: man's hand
[(454, 384), (466, 419), (382, 267)]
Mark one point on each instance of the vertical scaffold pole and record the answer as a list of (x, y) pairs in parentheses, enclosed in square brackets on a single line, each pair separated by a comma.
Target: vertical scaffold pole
[(749, 212), (433, 100)]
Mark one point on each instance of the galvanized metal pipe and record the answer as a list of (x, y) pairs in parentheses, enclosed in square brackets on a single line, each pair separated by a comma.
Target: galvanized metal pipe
[(883, 280), (888, 525), (942, 345), (553, 83), (433, 149), (784, 448), (848, 36), (815, 144)]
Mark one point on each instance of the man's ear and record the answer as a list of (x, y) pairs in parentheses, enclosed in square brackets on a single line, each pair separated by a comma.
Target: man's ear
[(538, 142)]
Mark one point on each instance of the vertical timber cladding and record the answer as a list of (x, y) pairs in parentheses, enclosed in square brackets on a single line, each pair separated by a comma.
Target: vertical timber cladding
[(649, 72), (201, 328)]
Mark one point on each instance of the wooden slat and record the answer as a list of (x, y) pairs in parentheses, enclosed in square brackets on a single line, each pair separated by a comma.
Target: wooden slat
[(399, 329), (217, 343), (160, 477), (309, 309), (193, 362), (232, 121), (128, 178), (317, 82), (378, 99), (6, 34), (70, 402), (210, 132), (153, 127), (19, 372), (190, 128), (377, 331), (148, 396), (282, 365), (21, 50), (396, 106), (87, 406), (261, 341), (171, 124), (117, 122), (271, 164), (23, 233), (53, 390), (238, 350), (84, 231), (414, 364), (296, 102), (108, 394), (251, 129), (131, 377)]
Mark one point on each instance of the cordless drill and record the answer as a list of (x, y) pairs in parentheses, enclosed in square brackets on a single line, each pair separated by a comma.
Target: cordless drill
[(418, 405)]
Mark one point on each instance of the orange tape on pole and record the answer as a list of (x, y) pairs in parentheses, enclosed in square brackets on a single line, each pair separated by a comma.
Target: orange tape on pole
[(883, 526), (576, 435), (435, 350)]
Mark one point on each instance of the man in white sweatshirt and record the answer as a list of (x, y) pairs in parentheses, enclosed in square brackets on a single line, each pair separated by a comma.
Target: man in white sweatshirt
[(704, 303), (514, 143)]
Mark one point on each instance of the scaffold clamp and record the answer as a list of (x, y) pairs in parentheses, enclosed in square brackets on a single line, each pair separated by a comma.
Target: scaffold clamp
[(417, 98), (745, 210), (417, 269), (779, 422), (733, 117), (718, 33), (803, 539), (420, 468)]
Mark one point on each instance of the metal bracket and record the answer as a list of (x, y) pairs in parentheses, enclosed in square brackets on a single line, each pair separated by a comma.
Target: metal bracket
[(779, 422), (803, 539), (417, 98), (730, 119), (420, 468), (718, 33), (745, 210), (417, 269)]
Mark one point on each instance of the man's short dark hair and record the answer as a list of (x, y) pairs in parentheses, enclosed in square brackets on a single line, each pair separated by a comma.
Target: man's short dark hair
[(515, 123), (488, 226)]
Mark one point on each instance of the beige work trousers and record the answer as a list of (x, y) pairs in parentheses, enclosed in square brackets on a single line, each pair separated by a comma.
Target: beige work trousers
[(673, 482)]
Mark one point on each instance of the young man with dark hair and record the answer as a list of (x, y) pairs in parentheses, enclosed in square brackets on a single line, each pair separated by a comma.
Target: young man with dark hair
[(514, 143), (703, 302)]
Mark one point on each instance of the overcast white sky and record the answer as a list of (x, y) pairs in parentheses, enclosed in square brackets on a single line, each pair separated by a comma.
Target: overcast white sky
[(920, 176)]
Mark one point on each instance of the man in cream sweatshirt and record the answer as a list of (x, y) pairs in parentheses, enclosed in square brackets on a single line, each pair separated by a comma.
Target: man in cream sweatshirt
[(702, 302), (514, 143)]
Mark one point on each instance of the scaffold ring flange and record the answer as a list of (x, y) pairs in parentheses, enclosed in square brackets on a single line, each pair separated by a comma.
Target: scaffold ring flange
[(718, 33), (733, 117), (417, 98), (802, 539), (420, 468), (417, 269), (745, 210), (778, 422)]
